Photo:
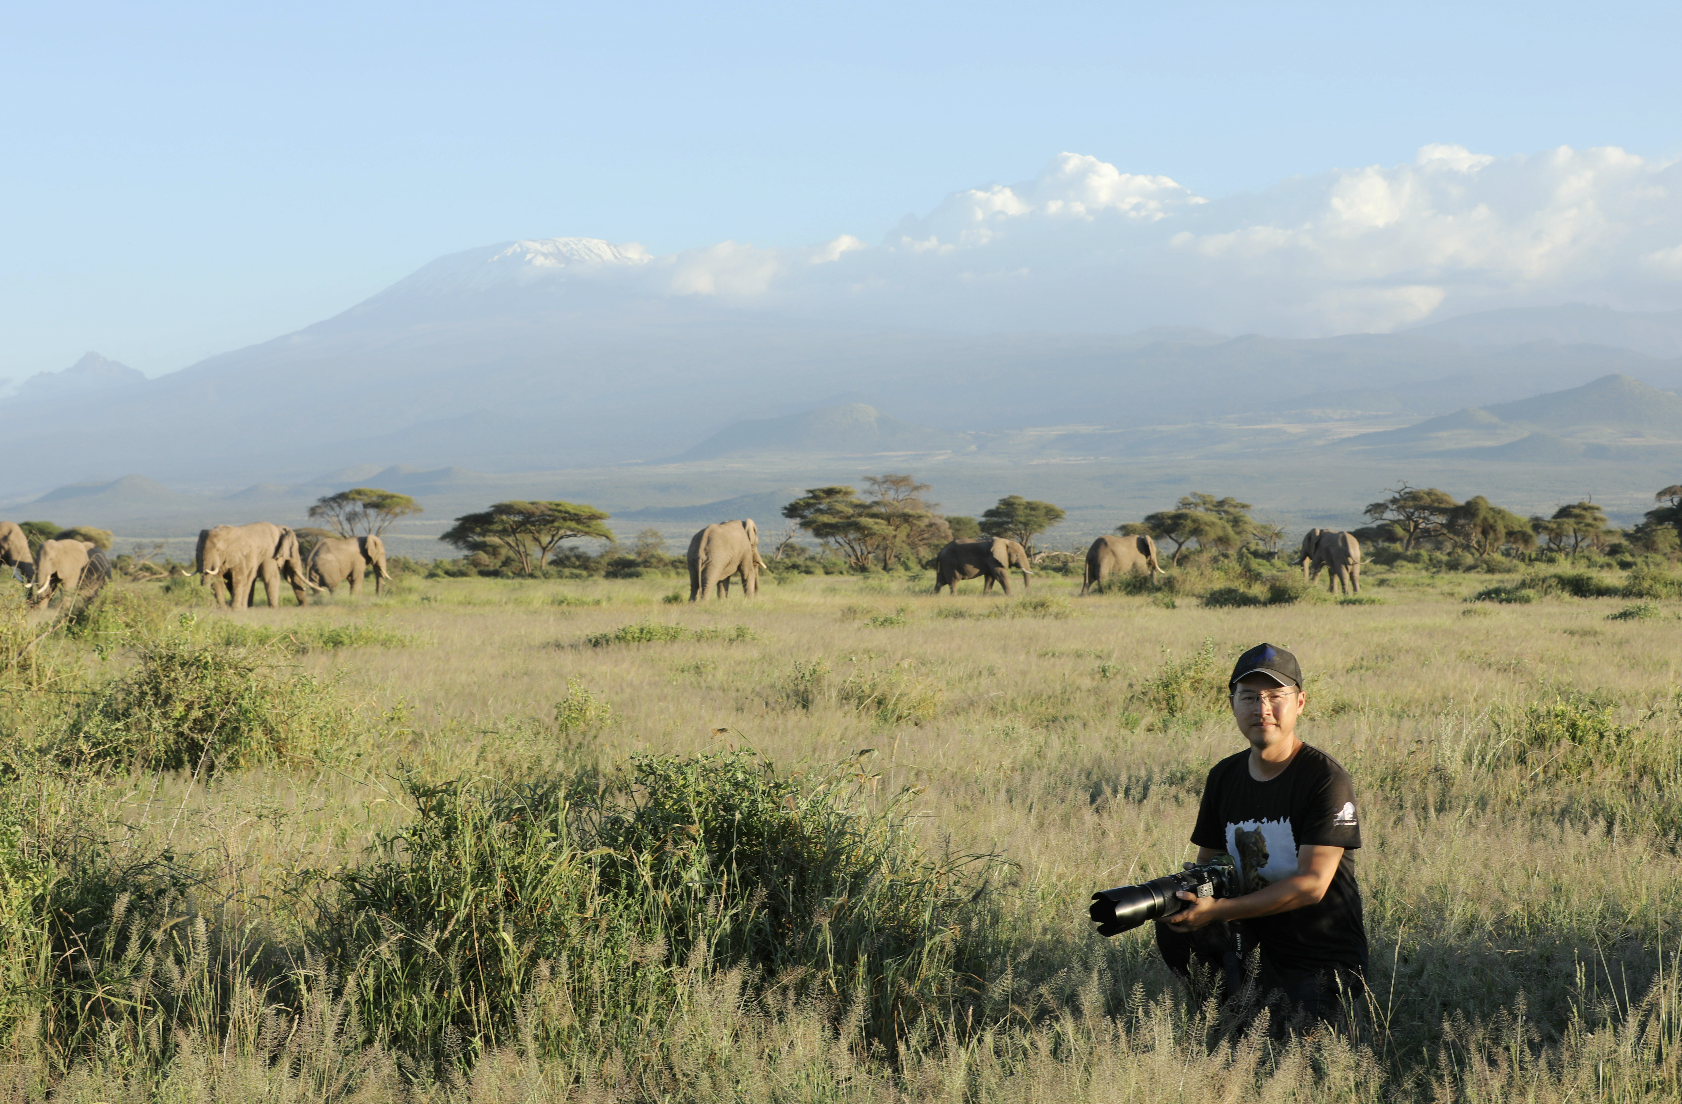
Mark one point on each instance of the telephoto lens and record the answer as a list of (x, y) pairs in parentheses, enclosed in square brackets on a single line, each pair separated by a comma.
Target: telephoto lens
[(1126, 907)]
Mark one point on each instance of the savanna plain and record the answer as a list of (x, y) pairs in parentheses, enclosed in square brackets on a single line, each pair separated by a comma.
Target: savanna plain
[(499, 840)]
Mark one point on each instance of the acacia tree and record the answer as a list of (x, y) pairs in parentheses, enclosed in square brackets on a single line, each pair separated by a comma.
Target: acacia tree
[(363, 511), (913, 523), (834, 515), (1417, 514), (1212, 522), (527, 530), (894, 523), (1020, 519), (1573, 526), (1481, 527)]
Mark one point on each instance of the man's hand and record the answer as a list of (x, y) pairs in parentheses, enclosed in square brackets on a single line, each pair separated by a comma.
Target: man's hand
[(1198, 914)]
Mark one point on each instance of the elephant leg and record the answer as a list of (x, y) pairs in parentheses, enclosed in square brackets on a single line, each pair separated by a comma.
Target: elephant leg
[(241, 588), (355, 580), (1355, 577), (271, 584)]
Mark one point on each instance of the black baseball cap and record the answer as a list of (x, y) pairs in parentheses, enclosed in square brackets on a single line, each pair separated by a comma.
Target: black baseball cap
[(1265, 659)]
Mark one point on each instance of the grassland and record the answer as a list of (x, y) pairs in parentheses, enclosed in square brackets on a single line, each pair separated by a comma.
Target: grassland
[(1519, 766)]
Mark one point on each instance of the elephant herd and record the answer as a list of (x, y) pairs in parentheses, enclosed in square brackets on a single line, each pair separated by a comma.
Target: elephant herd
[(230, 557), (730, 549), (237, 557), (59, 563)]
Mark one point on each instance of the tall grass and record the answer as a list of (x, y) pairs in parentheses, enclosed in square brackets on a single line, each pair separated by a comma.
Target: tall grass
[(1520, 773), (579, 916)]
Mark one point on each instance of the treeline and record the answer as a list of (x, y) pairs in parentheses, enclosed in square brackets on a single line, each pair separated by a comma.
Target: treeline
[(891, 524)]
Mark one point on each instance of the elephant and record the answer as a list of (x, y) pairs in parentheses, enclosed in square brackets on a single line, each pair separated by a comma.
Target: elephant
[(68, 564), (1339, 551), (1111, 553), (14, 550), (989, 558), (333, 560), (719, 552), (240, 555)]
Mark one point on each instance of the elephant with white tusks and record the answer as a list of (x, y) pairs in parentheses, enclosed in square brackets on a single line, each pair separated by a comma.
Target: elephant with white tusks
[(720, 552), (1337, 551), (70, 565), (988, 558), (1109, 554), (335, 559), (14, 550), (240, 555)]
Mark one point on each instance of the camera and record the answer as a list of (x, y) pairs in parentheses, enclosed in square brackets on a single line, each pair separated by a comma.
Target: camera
[(1126, 907)]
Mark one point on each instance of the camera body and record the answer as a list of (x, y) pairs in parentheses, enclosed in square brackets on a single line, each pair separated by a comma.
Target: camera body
[(1126, 907)]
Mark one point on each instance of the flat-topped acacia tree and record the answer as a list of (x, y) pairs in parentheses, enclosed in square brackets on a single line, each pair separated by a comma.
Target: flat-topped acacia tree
[(363, 511), (527, 530)]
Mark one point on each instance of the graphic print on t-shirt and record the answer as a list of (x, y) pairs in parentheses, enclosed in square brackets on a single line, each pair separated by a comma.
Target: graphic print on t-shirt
[(1266, 850)]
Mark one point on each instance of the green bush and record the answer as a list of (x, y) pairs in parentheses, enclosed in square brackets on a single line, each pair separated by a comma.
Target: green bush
[(1231, 597), (1651, 581), (1189, 687), (567, 916), (1640, 611), (184, 705), (1574, 734), (302, 638), (655, 632), (1506, 595)]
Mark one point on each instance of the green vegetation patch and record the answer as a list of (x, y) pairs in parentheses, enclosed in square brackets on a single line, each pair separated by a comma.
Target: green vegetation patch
[(1505, 595), (188, 705), (309, 637), (657, 632), (1640, 611), (1185, 688), (567, 916)]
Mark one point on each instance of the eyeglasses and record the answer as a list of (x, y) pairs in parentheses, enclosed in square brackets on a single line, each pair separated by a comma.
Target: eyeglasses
[(1249, 699)]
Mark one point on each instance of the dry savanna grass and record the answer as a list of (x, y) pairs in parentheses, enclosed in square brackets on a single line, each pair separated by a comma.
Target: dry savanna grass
[(1518, 766)]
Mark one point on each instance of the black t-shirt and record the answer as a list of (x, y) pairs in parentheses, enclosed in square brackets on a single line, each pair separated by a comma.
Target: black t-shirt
[(1261, 825)]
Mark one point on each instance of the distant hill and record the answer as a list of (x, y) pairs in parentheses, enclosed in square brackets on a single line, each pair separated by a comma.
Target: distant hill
[(1614, 411), (853, 429), (1657, 334), (119, 494), (90, 374)]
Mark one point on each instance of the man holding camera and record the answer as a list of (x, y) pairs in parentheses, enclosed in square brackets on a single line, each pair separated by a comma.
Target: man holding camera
[(1285, 813)]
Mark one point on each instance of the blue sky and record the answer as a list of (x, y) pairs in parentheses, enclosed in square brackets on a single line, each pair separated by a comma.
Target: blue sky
[(180, 180)]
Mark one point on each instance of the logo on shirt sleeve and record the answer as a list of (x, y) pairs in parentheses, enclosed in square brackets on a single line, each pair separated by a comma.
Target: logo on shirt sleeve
[(1344, 817)]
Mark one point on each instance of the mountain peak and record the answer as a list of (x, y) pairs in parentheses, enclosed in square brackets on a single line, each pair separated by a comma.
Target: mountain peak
[(91, 373), (515, 264)]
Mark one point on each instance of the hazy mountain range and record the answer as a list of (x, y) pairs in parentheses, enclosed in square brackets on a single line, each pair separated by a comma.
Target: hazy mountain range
[(545, 369)]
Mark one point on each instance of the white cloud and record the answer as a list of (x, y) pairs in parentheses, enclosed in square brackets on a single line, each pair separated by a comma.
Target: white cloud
[(1087, 246)]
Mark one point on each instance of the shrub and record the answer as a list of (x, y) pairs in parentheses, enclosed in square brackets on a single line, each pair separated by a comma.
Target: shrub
[(1506, 595), (1640, 611), (581, 710), (308, 637), (1285, 588), (888, 620), (806, 683), (1570, 735), (654, 632), (187, 705), (1650, 581), (1186, 687), (576, 600), (1230, 597), (1041, 605), (1126, 582), (566, 915)]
